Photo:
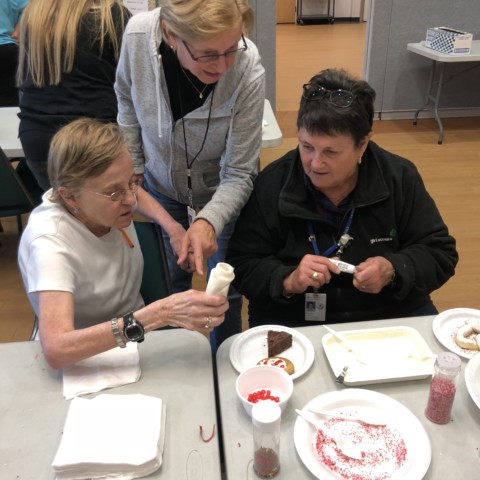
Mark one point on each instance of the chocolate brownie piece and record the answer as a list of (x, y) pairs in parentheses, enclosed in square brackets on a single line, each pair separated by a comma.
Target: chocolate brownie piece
[(278, 342)]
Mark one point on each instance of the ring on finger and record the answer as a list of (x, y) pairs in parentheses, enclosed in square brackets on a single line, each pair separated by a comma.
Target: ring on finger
[(315, 275), (209, 322)]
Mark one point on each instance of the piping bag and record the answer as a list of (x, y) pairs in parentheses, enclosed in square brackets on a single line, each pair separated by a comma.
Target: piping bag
[(220, 278)]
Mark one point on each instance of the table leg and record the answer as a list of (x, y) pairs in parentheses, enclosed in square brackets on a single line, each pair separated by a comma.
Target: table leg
[(435, 99)]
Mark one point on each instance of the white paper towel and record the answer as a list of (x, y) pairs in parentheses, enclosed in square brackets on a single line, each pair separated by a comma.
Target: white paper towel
[(220, 278), (109, 369)]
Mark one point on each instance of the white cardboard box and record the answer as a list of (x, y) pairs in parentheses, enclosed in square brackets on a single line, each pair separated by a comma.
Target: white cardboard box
[(449, 41)]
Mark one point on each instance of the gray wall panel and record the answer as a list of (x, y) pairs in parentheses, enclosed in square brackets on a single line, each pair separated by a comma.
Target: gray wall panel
[(399, 77), (264, 35)]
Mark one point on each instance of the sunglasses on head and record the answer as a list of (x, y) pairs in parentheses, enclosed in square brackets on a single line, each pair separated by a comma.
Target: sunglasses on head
[(339, 98)]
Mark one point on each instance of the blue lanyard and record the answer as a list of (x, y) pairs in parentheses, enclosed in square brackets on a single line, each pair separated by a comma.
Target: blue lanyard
[(336, 245)]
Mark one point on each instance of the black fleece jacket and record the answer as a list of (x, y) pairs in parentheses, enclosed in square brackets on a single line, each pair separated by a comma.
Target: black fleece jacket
[(395, 217)]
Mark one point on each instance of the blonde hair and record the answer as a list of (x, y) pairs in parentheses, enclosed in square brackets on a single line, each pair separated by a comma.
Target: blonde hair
[(48, 35), (81, 150), (194, 19)]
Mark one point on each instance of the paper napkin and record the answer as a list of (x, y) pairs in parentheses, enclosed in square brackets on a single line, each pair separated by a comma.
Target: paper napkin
[(111, 436), (220, 278), (113, 368)]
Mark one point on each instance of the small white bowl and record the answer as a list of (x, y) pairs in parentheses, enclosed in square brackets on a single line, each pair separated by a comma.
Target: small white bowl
[(264, 377)]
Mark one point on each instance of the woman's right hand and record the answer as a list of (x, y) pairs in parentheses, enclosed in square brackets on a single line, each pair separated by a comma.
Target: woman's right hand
[(313, 271), (192, 310)]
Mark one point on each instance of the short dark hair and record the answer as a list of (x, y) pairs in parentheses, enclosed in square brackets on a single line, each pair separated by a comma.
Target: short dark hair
[(323, 117)]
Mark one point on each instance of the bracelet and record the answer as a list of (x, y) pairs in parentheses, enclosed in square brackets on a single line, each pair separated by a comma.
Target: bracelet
[(117, 334)]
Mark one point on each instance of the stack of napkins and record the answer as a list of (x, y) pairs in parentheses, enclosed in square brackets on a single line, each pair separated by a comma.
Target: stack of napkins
[(111, 436), (116, 367)]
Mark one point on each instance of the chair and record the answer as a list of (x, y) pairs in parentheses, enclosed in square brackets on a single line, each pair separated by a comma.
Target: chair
[(15, 199), (156, 281)]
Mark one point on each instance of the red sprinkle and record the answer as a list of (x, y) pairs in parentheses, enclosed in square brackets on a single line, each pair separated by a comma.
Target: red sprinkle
[(266, 463), (440, 401), (262, 394), (386, 452)]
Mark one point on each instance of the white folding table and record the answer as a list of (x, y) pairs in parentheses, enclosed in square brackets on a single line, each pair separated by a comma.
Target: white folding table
[(439, 60)]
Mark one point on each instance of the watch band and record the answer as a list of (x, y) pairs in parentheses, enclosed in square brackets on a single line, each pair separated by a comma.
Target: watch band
[(116, 333)]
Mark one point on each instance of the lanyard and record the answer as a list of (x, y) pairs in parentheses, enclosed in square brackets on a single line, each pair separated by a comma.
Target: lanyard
[(339, 246), (189, 164)]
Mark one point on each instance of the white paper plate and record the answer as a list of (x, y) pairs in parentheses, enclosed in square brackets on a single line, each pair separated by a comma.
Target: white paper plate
[(472, 379), (446, 324), (251, 346), (400, 419), (391, 354)]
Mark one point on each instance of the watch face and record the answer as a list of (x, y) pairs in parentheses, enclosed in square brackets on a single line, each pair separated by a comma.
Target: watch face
[(133, 329), (134, 332)]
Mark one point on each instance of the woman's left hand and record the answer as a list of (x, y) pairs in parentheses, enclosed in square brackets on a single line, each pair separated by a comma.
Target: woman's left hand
[(199, 241), (373, 274)]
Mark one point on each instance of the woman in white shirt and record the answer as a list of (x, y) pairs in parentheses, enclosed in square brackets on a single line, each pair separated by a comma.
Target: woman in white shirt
[(80, 258)]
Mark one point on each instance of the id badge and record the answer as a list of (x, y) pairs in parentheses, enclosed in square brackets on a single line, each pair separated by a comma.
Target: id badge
[(192, 215), (315, 306)]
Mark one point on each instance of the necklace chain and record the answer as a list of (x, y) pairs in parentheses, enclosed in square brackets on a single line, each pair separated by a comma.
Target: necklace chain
[(200, 92)]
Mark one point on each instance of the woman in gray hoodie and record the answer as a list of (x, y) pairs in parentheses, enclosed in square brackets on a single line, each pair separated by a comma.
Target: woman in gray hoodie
[(191, 89)]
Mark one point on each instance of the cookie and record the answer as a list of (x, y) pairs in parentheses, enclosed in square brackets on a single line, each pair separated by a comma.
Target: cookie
[(280, 362)]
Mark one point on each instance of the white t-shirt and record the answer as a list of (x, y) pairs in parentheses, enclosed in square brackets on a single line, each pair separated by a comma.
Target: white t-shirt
[(58, 252)]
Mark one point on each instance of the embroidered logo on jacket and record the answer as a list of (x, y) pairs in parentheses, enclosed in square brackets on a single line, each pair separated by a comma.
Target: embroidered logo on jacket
[(391, 235)]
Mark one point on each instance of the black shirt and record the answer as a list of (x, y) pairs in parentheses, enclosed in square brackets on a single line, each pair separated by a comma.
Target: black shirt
[(85, 91), (184, 94)]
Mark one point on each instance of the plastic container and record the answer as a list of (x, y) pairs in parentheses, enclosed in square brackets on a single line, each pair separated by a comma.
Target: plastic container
[(443, 388), (266, 416)]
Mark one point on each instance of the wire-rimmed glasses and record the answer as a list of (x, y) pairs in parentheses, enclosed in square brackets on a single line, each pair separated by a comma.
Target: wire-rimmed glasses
[(118, 195), (215, 57), (340, 98)]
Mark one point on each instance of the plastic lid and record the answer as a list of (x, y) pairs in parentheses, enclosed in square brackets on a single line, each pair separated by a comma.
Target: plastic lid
[(448, 362), (266, 414)]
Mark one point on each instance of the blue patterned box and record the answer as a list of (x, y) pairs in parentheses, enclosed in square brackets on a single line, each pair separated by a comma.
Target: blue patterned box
[(449, 41)]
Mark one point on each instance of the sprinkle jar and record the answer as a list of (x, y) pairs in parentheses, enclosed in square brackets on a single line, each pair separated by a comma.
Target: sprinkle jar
[(443, 388), (266, 416)]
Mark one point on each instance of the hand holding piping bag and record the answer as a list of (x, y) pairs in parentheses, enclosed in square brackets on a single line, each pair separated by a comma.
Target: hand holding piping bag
[(344, 266)]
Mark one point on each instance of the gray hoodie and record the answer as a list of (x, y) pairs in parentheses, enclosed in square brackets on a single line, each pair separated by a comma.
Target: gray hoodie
[(223, 174)]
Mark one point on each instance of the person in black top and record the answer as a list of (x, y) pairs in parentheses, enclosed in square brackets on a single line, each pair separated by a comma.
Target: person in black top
[(68, 57), (339, 197)]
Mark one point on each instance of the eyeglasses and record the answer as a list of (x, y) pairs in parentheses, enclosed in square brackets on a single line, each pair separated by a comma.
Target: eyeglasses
[(340, 98), (118, 195), (215, 57)]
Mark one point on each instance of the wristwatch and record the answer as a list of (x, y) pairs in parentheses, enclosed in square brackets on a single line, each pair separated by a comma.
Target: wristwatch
[(132, 329)]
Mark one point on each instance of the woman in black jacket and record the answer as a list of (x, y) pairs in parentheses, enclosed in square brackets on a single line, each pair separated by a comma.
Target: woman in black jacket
[(339, 196)]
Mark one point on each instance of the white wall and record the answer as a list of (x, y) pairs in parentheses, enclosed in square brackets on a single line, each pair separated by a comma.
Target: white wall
[(347, 8), (343, 8)]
